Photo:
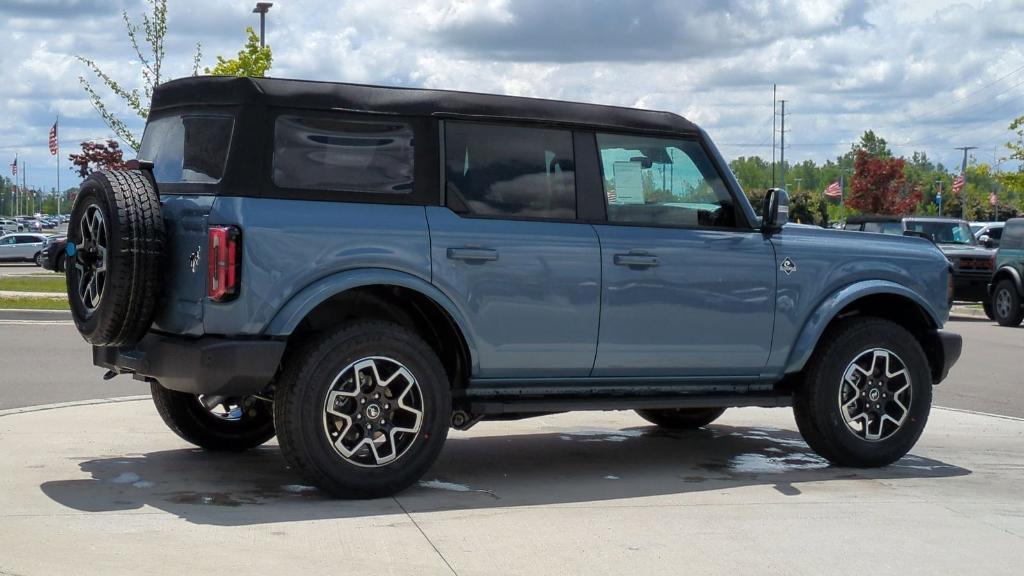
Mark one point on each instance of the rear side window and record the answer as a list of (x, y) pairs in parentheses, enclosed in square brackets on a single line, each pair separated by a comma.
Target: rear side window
[(335, 153), (510, 171), (187, 148), (1013, 235)]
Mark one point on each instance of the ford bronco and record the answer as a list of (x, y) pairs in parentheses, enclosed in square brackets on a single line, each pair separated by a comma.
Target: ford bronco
[(357, 269)]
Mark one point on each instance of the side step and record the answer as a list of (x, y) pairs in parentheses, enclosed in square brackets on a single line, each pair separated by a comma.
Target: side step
[(508, 404)]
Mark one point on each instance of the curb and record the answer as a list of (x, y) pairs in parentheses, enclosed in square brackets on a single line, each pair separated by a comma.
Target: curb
[(44, 407), (968, 312), (30, 315)]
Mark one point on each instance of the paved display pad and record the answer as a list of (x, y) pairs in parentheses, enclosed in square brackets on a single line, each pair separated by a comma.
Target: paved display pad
[(107, 489)]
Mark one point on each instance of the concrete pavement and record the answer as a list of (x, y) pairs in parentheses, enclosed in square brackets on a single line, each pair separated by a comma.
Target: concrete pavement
[(107, 489)]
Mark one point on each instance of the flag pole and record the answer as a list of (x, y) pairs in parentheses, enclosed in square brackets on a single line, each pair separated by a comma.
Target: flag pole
[(57, 141)]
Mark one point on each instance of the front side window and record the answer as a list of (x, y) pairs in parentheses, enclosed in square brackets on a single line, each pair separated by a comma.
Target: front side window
[(944, 232), (510, 171), (341, 154), (8, 240), (657, 181), (187, 148)]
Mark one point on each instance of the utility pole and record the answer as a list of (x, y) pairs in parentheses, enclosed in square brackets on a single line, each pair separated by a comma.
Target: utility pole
[(963, 172), (774, 108), (782, 145), (262, 8)]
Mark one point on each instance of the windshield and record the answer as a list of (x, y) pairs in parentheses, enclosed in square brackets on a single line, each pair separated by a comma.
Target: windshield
[(190, 148), (944, 232)]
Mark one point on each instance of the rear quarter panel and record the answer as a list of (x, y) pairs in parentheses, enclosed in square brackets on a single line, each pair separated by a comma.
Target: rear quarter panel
[(835, 266)]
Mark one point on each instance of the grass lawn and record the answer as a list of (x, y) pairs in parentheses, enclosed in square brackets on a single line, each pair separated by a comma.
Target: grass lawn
[(51, 283), (33, 304)]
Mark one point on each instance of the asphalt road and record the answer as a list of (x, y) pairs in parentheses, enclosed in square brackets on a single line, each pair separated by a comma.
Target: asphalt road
[(49, 363)]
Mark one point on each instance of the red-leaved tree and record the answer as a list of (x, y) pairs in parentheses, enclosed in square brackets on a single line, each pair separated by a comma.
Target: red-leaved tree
[(879, 186), (97, 156)]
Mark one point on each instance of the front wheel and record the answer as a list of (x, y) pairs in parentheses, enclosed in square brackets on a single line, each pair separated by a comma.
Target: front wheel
[(866, 394), (362, 412), (38, 259), (1006, 304), (219, 424)]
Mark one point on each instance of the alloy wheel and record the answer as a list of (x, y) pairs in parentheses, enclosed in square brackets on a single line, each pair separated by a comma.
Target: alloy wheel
[(91, 259), (373, 412), (875, 395), (1003, 304)]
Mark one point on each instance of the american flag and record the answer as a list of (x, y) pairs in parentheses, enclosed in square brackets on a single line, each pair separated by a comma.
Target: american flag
[(834, 190), (53, 139), (958, 184), (14, 167)]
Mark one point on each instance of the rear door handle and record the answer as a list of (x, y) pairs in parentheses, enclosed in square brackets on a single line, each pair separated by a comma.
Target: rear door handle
[(472, 254), (636, 260)]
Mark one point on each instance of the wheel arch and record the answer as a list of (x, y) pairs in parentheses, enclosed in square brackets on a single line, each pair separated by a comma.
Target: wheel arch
[(882, 299), (1008, 272), (382, 294)]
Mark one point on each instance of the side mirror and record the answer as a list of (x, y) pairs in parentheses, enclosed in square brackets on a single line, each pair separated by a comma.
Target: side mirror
[(774, 210), (986, 241)]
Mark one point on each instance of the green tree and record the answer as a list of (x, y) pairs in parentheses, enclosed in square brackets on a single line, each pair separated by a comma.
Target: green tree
[(253, 60), (154, 29), (1013, 182)]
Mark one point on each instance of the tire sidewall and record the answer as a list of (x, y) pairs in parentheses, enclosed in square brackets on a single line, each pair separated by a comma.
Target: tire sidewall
[(902, 344), (1014, 318), (312, 394)]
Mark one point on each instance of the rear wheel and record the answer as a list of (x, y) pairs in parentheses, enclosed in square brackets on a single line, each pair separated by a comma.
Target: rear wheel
[(38, 259), (866, 394), (681, 418), (1006, 304), (61, 264), (215, 423), (986, 305), (362, 412)]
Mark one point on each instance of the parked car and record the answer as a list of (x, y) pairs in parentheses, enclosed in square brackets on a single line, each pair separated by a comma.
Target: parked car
[(53, 256), (359, 268), (972, 264), (988, 234), (1007, 289), (10, 227), (21, 247)]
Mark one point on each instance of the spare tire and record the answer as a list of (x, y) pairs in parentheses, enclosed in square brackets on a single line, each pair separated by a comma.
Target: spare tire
[(114, 252)]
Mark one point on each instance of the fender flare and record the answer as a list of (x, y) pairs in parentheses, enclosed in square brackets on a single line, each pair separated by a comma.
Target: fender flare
[(830, 307), (304, 301), (1012, 273)]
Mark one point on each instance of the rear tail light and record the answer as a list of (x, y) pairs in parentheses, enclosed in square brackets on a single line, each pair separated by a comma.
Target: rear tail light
[(224, 263)]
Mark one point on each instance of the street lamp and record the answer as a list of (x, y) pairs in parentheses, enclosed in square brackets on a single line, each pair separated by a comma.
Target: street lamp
[(262, 8)]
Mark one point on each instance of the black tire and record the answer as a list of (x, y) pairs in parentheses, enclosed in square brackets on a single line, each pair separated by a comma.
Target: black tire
[(986, 305), (816, 404), (188, 418), (133, 230), (1009, 313), (61, 264), (681, 418), (38, 259), (300, 409)]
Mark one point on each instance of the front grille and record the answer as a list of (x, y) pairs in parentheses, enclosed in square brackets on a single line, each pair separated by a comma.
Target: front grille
[(975, 264)]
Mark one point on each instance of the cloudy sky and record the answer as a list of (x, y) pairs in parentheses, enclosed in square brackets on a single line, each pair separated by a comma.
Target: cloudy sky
[(926, 75)]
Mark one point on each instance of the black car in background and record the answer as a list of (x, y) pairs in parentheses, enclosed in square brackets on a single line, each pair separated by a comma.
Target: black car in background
[(53, 256), (972, 263)]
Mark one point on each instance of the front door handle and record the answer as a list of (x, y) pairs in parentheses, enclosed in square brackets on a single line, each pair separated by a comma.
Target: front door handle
[(473, 254), (636, 260)]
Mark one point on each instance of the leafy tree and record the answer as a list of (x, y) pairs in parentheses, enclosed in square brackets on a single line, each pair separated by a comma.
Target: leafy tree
[(154, 28), (253, 60), (1013, 182), (97, 156), (873, 144), (879, 186)]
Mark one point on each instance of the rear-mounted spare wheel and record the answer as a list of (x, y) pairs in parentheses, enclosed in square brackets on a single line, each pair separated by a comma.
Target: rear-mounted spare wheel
[(114, 251)]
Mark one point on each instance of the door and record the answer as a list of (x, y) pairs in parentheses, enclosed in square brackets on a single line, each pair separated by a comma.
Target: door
[(507, 250), (9, 248), (28, 246), (687, 285)]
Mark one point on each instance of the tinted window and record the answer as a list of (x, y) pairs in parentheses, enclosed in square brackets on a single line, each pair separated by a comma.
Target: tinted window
[(28, 240), (7, 240), (995, 233), (1013, 235), (510, 171), (188, 148), (944, 232), (334, 153), (662, 182)]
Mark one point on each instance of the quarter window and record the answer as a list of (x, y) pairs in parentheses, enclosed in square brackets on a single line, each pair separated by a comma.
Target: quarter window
[(662, 182), (187, 149), (333, 153), (510, 171)]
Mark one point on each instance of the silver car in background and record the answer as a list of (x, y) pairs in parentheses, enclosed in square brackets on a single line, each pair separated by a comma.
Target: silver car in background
[(24, 246)]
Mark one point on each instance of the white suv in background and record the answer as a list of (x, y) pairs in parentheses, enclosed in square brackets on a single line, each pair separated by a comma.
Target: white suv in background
[(22, 247), (10, 226)]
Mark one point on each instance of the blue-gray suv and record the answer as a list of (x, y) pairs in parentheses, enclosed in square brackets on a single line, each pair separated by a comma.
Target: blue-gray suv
[(357, 269)]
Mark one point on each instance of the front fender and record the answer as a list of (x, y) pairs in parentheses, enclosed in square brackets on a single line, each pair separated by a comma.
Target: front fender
[(827, 310), (1007, 271), (300, 305)]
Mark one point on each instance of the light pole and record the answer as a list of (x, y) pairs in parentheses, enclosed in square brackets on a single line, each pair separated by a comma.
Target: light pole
[(262, 8)]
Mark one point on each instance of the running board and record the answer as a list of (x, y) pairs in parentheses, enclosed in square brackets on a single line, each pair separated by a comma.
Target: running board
[(491, 406)]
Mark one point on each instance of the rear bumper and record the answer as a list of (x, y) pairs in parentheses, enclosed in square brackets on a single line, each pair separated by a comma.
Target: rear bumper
[(206, 365), (950, 345)]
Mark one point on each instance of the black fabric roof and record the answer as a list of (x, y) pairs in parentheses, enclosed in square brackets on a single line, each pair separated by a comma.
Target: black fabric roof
[(226, 90)]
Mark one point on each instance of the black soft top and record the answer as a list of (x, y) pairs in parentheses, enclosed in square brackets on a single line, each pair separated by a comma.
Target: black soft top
[(228, 90), (862, 218)]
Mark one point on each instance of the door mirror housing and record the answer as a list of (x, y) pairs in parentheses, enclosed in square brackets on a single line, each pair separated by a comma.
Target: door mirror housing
[(986, 241), (774, 210)]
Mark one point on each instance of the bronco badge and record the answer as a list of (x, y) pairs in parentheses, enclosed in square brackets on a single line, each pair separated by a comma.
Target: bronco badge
[(193, 259), (788, 266)]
